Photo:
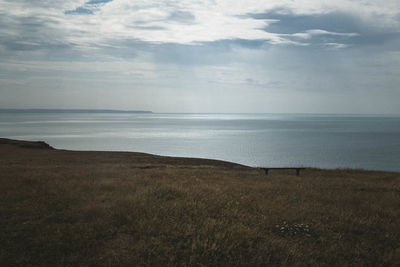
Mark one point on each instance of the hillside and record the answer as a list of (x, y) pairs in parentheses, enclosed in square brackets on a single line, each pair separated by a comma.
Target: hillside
[(63, 208)]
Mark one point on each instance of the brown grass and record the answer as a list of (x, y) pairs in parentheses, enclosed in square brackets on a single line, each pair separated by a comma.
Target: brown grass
[(63, 208)]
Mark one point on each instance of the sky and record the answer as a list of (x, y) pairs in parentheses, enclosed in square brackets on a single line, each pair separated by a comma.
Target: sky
[(216, 56)]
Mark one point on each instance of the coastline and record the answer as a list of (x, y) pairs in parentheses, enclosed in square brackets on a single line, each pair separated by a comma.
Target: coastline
[(253, 140), (63, 207)]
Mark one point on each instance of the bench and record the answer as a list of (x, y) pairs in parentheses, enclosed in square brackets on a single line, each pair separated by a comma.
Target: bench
[(284, 168)]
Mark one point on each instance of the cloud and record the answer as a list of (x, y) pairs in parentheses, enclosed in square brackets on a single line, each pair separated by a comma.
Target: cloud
[(88, 8), (340, 26), (336, 45), (254, 51), (93, 2), (88, 25), (316, 32), (182, 17), (79, 10)]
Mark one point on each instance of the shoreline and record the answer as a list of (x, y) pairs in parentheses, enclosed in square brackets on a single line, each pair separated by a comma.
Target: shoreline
[(44, 145)]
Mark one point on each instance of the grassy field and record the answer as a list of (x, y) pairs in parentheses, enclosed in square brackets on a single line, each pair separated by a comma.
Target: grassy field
[(62, 208)]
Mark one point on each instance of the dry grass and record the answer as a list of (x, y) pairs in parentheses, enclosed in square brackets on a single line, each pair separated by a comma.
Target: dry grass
[(63, 208)]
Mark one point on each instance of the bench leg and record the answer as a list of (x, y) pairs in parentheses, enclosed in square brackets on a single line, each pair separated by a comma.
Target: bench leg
[(266, 171), (297, 172)]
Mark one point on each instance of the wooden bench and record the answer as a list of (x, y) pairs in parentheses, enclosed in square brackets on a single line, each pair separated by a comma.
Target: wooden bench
[(284, 168)]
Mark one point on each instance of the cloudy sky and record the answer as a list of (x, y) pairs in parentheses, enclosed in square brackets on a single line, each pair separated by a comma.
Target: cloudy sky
[(319, 56)]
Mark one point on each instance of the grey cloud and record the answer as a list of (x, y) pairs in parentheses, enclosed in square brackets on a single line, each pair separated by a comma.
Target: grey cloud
[(287, 22), (28, 33), (92, 2), (250, 80), (88, 8), (182, 17), (37, 3), (251, 44), (204, 53), (149, 28), (79, 10), (339, 22), (187, 54)]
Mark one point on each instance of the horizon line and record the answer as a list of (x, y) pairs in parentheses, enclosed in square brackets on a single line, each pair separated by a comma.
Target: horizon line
[(46, 110), (82, 110)]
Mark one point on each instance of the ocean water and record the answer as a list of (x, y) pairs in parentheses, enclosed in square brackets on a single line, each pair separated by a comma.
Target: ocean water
[(274, 140)]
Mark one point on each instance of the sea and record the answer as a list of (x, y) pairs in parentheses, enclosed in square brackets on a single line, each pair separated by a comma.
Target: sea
[(370, 142)]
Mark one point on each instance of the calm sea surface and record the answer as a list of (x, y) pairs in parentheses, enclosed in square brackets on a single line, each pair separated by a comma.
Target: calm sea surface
[(325, 141)]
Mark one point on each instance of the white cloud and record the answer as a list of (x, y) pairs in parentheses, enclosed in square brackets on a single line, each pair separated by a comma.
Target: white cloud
[(336, 45), (315, 32), (149, 21)]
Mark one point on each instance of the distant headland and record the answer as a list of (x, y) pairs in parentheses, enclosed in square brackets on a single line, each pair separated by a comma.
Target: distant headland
[(72, 111)]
